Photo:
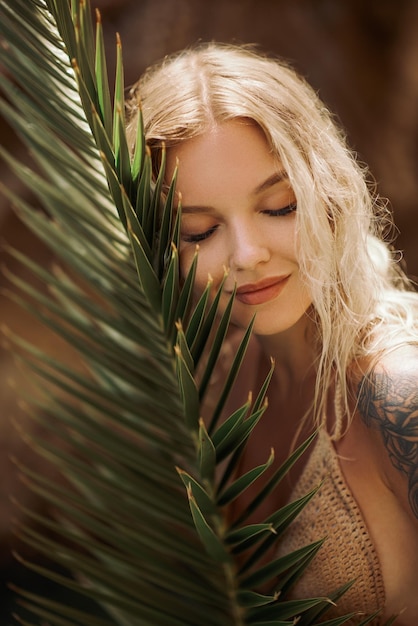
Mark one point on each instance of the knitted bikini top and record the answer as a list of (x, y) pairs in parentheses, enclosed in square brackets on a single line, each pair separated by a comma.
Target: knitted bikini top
[(348, 552)]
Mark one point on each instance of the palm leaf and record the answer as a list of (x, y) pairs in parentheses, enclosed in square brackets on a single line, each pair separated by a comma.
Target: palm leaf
[(139, 520)]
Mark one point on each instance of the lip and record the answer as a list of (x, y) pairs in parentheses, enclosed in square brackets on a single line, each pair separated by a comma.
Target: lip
[(262, 291)]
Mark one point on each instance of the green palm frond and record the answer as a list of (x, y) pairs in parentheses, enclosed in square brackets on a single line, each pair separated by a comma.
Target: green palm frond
[(139, 522)]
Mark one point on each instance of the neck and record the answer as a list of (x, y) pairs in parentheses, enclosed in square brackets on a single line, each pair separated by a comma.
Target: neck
[(294, 357)]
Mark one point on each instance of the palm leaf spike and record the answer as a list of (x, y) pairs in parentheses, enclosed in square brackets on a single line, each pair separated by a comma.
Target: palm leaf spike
[(217, 552), (86, 31), (120, 198), (209, 534), (239, 436), (275, 569), (280, 520), (176, 233), (122, 157), (281, 610), (119, 97), (171, 290), (102, 81), (210, 539), (188, 390), (133, 224), (231, 377), (262, 395), (252, 599), (84, 56), (194, 333), (230, 493), (245, 537), (201, 495), (90, 106), (76, 20), (277, 477), (165, 231), (62, 19), (149, 281), (260, 401), (120, 146), (74, 6), (139, 151), (206, 456), (283, 580), (156, 206), (143, 195), (230, 426), (316, 612), (183, 347), (217, 342), (185, 302)]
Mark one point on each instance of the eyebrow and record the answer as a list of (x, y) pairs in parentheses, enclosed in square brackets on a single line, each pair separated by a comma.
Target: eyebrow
[(272, 180)]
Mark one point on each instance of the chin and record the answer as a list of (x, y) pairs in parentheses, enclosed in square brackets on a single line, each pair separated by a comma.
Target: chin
[(281, 324), (273, 318), (261, 328)]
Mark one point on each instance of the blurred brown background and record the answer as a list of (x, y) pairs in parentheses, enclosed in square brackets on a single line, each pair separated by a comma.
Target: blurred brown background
[(362, 57)]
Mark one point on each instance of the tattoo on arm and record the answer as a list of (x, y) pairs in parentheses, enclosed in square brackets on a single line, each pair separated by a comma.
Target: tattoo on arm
[(392, 406)]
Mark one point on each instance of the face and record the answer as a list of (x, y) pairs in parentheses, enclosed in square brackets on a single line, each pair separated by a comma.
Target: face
[(239, 209)]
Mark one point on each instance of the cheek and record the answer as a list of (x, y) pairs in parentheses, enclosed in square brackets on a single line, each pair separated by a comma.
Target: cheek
[(209, 264), (287, 242), (187, 256)]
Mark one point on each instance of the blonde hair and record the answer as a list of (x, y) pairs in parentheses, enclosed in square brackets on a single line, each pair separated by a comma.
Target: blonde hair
[(355, 284)]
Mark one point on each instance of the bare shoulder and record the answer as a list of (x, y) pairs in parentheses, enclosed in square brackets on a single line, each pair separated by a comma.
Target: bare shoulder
[(388, 403)]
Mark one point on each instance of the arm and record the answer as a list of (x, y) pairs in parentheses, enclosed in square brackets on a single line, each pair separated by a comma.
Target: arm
[(388, 401)]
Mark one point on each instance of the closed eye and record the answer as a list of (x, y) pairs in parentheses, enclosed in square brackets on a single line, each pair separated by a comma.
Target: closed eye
[(196, 237), (290, 208)]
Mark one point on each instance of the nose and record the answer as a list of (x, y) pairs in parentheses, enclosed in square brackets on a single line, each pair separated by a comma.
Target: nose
[(248, 248)]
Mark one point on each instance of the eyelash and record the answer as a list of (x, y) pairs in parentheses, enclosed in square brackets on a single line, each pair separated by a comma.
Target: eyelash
[(199, 236), (290, 208)]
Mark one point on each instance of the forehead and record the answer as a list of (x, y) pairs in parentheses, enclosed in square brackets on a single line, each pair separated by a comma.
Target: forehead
[(233, 156)]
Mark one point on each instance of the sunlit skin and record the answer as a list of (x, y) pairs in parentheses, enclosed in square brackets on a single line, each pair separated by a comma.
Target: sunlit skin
[(239, 208)]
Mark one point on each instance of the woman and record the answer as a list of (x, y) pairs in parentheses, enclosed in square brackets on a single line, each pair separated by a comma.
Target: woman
[(270, 192)]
